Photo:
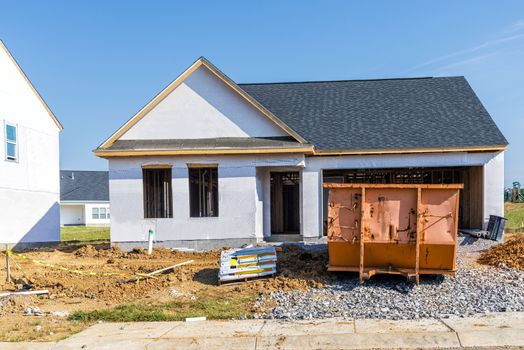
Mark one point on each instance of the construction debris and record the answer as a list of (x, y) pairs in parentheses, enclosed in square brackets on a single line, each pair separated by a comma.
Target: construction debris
[(195, 319), (509, 254), (33, 311), (241, 264), (169, 268), (25, 292), (60, 313), (495, 230)]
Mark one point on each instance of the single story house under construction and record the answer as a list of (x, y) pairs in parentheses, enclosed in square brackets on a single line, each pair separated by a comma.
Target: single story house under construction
[(209, 162)]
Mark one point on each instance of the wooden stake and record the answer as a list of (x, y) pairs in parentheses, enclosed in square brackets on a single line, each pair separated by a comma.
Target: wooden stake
[(7, 264)]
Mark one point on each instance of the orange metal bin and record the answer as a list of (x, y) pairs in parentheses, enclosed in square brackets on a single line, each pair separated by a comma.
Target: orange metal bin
[(396, 229)]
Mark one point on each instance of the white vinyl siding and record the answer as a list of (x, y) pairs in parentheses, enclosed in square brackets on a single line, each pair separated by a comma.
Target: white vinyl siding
[(100, 213)]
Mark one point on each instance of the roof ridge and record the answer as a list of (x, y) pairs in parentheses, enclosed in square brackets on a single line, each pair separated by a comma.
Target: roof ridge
[(346, 80)]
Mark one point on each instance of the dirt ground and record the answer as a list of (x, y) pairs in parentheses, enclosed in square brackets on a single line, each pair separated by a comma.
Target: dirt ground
[(508, 254), (70, 291)]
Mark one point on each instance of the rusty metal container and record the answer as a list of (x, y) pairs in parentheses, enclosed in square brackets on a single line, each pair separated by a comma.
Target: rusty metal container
[(394, 229)]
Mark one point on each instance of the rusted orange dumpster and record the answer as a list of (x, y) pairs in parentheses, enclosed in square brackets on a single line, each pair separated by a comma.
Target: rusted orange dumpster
[(395, 229)]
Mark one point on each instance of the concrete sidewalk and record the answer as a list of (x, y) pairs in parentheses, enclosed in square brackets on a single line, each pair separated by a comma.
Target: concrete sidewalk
[(493, 330)]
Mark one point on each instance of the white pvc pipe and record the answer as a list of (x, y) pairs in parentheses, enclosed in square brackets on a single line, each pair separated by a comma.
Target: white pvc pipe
[(29, 292), (150, 242)]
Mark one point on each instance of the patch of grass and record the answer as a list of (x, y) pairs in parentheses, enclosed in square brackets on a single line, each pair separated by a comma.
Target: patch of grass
[(84, 233), (514, 212), (216, 308), (123, 313)]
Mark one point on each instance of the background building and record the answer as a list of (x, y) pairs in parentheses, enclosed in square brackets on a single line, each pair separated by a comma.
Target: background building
[(84, 198), (29, 160)]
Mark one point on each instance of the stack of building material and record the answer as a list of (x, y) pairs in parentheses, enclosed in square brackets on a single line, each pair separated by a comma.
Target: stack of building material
[(241, 264)]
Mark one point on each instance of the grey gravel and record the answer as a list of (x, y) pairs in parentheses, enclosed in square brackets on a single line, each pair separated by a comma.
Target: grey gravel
[(474, 289)]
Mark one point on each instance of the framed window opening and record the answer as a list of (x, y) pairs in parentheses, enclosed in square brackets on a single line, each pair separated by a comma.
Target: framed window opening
[(203, 191), (95, 213), (158, 197), (11, 142)]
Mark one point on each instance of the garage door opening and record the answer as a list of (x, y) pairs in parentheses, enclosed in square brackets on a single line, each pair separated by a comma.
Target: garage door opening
[(471, 208)]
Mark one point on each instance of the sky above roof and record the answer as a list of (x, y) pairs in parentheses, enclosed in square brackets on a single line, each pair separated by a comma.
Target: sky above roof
[(96, 63)]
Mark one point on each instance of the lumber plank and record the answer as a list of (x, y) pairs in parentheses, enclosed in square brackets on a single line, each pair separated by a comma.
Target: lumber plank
[(169, 268), (25, 292)]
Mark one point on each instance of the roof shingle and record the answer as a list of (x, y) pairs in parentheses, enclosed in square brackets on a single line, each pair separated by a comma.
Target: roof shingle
[(382, 114), (80, 185)]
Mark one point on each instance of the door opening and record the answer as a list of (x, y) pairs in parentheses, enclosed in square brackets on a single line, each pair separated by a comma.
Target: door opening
[(285, 203)]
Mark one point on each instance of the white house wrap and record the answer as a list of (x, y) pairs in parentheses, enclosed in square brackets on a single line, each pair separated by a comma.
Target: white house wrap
[(29, 160)]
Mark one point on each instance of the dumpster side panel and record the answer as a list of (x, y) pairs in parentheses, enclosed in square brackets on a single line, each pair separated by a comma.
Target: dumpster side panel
[(384, 233)]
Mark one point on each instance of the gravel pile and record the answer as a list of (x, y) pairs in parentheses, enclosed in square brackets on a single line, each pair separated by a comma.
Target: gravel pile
[(475, 289)]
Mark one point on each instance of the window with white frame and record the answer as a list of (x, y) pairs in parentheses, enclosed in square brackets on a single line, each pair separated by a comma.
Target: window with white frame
[(11, 146), (100, 213)]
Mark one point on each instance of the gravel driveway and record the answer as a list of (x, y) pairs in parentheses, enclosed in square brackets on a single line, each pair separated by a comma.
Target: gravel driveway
[(475, 289)]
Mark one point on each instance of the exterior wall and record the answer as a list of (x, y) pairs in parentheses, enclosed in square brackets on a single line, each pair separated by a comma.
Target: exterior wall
[(88, 214), (82, 214), (244, 193), (203, 106), (493, 163), (241, 196), (494, 187), (72, 214), (29, 187)]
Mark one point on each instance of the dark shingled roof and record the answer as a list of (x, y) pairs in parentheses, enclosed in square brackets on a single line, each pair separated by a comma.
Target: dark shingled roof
[(80, 185), (229, 143), (381, 114)]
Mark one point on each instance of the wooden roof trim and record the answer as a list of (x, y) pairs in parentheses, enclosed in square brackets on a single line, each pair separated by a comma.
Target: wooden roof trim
[(201, 165), (130, 153), (157, 166), (179, 80), (426, 186), (412, 150), (20, 70)]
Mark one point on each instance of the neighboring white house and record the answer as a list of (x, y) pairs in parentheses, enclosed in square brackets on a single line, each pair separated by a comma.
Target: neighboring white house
[(209, 163), (84, 198), (29, 160)]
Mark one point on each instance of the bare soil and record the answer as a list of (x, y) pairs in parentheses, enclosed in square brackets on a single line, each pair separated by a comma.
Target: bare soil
[(92, 290), (508, 254)]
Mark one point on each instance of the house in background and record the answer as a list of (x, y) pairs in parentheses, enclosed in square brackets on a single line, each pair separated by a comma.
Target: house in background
[(209, 162), (29, 160), (84, 198)]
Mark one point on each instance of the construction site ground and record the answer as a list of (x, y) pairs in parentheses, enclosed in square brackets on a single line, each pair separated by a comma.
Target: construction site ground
[(79, 299), (82, 294)]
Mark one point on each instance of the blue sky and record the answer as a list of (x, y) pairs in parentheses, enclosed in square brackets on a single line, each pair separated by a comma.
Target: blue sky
[(97, 62)]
